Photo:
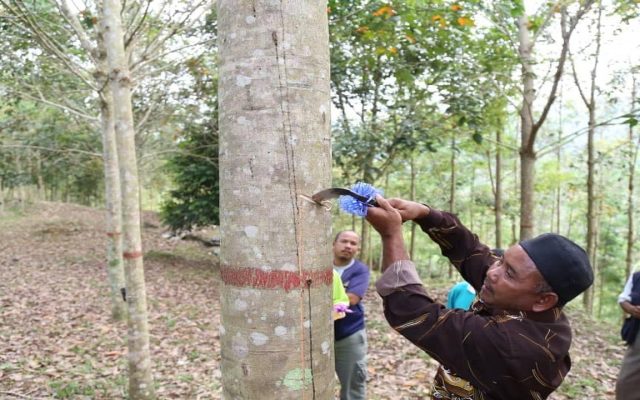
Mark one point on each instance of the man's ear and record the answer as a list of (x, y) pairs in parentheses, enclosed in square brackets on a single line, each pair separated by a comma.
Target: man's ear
[(546, 301)]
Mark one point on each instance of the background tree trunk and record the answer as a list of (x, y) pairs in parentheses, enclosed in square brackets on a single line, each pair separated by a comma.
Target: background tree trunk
[(412, 197), (591, 213), (452, 188), (139, 360), (527, 155), (115, 264), (590, 104), (498, 189), (529, 128), (112, 192), (633, 157), (558, 208), (275, 257)]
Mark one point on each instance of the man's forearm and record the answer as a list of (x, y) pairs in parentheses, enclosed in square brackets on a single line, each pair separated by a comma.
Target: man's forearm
[(630, 309), (393, 249)]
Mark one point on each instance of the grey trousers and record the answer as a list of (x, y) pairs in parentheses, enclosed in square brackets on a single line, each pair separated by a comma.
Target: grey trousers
[(628, 383), (351, 366)]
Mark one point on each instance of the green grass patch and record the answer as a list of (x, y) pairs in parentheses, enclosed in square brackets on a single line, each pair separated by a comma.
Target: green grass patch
[(162, 256), (7, 367), (580, 388), (78, 350), (67, 390), (171, 322), (193, 355)]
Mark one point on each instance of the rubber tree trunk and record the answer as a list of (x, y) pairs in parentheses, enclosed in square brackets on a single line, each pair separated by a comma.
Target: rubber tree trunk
[(276, 331), (412, 197), (139, 361), (452, 188), (527, 154), (497, 202), (113, 202), (633, 157), (591, 105), (591, 213)]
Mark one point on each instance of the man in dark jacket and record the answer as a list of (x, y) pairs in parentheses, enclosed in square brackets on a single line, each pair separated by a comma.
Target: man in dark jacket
[(514, 342)]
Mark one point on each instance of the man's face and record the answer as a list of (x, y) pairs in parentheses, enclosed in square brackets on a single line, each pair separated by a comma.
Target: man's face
[(346, 246), (512, 282)]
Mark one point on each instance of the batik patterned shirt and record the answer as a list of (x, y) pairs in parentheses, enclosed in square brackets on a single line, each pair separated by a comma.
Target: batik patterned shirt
[(484, 353)]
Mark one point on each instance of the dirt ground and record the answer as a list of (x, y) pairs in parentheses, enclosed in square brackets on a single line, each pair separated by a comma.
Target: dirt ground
[(57, 341)]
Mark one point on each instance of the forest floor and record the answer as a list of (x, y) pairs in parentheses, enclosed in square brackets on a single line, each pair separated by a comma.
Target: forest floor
[(57, 340)]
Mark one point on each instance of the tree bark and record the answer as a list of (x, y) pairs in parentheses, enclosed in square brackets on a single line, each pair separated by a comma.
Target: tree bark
[(412, 197), (275, 256), (590, 104), (498, 192), (113, 201), (139, 360), (112, 193), (452, 188), (528, 127), (527, 154), (591, 200), (633, 157)]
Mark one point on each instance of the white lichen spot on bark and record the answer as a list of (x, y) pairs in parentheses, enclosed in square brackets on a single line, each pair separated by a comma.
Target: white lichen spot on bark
[(221, 330), (243, 121), (251, 231), (266, 268), (250, 19), (257, 253), (242, 80), (289, 267), (280, 330), (307, 324), (239, 346), (325, 347), (259, 339), (240, 305)]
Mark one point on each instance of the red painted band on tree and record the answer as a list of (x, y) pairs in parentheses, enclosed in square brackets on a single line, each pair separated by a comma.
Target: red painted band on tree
[(131, 254), (286, 280)]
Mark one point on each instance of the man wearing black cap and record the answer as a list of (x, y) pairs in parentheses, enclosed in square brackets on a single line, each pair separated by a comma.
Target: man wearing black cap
[(514, 342)]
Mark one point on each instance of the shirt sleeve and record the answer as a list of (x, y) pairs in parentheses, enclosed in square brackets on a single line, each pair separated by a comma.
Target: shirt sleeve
[(459, 245), (626, 292), (397, 275), (358, 282), (442, 333)]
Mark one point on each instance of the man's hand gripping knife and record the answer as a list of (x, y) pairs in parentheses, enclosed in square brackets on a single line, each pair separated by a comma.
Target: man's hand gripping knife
[(387, 221)]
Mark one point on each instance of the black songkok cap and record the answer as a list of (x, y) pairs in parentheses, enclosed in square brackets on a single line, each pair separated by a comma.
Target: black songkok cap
[(563, 264)]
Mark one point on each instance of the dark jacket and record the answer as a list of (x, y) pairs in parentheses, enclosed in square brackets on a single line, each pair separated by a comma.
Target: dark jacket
[(501, 354)]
